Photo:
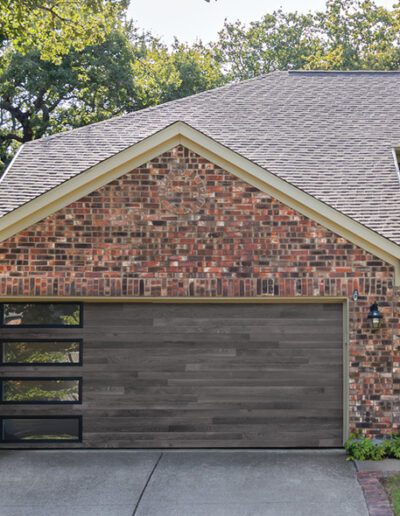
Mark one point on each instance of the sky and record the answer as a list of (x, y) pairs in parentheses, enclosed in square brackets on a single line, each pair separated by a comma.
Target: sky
[(196, 19)]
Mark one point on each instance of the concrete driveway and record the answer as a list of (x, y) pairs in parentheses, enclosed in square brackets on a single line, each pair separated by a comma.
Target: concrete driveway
[(178, 483)]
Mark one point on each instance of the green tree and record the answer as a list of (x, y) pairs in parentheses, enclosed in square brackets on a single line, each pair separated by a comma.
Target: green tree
[(127, 72), (347, 35), (161, 74), (356, 35), (55, 27), (279, 41), (38, 98)]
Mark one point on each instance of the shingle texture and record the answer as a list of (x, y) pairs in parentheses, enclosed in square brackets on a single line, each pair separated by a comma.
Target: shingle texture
[(330, 134)]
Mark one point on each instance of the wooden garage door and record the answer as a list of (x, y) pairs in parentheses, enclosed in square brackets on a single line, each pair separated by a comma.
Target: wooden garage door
[(204, 375)]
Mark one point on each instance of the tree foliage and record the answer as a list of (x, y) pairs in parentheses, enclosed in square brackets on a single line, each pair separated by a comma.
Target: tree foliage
[(347, 35), (38, 98), (54, 27), (128, 71), (356, 35), (70, 69), (279, 41), (162, 74)]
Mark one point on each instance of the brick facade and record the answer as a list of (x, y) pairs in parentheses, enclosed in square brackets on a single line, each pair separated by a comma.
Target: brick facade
[(181, 226)]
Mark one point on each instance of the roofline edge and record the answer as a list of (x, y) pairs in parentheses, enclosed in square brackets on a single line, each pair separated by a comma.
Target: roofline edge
[(8, 168)]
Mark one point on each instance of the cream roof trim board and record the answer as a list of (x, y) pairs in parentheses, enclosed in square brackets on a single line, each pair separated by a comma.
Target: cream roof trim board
[(14, 159), (182, 133)]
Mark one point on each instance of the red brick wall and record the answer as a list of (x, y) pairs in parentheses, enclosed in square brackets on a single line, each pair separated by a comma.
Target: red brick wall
[(181, 226)]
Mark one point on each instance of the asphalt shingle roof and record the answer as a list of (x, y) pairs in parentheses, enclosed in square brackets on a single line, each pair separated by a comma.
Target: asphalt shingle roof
[(329, 133)]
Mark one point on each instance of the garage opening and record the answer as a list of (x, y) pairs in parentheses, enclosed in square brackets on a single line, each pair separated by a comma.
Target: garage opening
[(195, 375)]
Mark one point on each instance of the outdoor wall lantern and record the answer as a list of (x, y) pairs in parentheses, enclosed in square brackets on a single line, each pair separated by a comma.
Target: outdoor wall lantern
[(375, 316)]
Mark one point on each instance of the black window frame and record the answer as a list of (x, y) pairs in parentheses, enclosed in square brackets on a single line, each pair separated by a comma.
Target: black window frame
[(64, 326), (40, 364), (38, 379), (39, 441)]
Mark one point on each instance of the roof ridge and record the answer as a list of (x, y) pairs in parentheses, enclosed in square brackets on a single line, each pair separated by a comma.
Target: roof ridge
[(207, 92), (343, 72), (158, 106)]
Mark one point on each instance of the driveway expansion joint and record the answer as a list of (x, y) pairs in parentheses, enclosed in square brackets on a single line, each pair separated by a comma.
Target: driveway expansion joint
[(146, 484)]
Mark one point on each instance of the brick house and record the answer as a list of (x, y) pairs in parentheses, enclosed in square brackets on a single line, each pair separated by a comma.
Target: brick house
[(200, 274)]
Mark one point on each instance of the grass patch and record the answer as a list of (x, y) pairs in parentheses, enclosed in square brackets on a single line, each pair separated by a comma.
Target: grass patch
[(392, 486)]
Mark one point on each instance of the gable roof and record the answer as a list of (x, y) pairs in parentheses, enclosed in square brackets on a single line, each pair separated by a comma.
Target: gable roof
[(180, 133), (330, 134)]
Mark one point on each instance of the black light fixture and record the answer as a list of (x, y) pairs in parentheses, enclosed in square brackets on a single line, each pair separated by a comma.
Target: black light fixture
[(375, 316)]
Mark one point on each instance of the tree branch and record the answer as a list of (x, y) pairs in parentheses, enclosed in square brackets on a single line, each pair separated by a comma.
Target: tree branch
[(55, 14), (11, 136)]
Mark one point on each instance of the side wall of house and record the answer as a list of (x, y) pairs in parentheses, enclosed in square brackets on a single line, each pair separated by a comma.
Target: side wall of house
[(182, 226)]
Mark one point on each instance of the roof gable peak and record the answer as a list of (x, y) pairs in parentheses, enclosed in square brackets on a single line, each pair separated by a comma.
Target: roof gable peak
[(181, 133)]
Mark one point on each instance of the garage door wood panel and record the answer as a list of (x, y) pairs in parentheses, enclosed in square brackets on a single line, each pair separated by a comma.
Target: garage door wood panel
[(198, 375)]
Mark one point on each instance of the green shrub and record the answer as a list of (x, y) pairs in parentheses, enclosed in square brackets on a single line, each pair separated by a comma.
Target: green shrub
[(363, 448), (393, 447)]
